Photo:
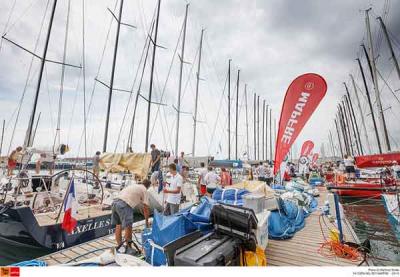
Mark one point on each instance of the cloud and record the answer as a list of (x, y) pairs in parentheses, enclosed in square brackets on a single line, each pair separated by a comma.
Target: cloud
[(271, 42)]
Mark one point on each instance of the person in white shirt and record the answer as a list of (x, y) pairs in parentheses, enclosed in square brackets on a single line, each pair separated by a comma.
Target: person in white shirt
[(201, 183), (349, 165), (268, 175), (262, 171), (396, 170), (173, 191), (212, 180)]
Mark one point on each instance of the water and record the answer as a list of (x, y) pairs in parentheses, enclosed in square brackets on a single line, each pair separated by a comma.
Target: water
[(10, 253), (369, 220)]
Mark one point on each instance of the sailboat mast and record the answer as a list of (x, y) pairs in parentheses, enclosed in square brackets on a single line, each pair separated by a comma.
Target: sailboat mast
[(354, 121), (121, 5), (361, 113), (381, 116), (2, 137), (28, 139), (270, 134), (394, 59), (229, 109), (254, 126), (36, 126), (182, 57), (197, 95), (343, 128), (351, 122), (331, 143), (258, 127), (130, 136), (347, 127), (263, 132), (58, 128), (247, 123), (146, 146), (340, 142), (266, 132), (378, 140), (237, 115)]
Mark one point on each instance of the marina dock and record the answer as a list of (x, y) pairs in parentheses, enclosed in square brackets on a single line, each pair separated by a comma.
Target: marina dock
[(301, 250)]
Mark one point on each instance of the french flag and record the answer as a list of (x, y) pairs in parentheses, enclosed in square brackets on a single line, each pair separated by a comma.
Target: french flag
[(70, 209)]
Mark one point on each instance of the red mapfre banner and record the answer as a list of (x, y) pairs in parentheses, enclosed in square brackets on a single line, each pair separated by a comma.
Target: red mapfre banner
[(307, 148), (301, 99), (379, 160), (315, 157)]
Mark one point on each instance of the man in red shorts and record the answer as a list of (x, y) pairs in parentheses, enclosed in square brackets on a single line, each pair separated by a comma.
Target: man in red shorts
[(12, 160)]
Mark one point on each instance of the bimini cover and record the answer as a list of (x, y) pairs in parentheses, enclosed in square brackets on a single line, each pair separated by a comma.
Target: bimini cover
[(164, 230), (136, 163), (285, 222)]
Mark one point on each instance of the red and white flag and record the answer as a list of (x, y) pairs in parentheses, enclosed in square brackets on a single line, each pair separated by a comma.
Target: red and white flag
[(301, 99), (307, 148), (315, 157), (70, 209)]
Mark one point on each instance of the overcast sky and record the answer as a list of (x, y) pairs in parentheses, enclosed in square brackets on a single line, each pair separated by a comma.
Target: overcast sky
[(271, 42)]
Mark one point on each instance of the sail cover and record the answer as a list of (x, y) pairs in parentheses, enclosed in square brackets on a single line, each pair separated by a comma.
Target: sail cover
[(301, 99), (136, 163)]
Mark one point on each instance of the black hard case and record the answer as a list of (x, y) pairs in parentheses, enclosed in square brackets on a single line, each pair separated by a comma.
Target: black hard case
[(210, 250)]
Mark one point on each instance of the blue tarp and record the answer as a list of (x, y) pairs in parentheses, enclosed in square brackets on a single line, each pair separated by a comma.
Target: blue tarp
[(316, 181), (34, 263), (230, 196), (276, 186), (285, 222), (166, 229)]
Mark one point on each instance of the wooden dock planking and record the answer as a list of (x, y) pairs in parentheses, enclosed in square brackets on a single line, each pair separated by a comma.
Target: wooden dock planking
[(302, 249), (86, 250)]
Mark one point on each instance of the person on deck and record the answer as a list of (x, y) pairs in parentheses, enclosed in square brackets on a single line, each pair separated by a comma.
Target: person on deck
[(96, 164), (178, 167), (47, 162), (122, 210), (268, 174), (181, 160), (212, 181), (155, 164), (155, 158), (226, 179), (262, 172), (13, 160), (201, 183), (173, 191), (396, 170), (349, 166)]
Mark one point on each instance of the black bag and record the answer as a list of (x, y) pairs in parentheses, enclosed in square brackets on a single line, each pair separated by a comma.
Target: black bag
[(239, 222), (210, 250)]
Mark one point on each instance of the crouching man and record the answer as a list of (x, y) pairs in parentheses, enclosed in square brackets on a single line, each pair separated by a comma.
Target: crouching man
[(122, 210)]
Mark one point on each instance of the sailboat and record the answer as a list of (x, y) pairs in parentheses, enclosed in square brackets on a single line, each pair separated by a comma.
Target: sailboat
[(32, 206)]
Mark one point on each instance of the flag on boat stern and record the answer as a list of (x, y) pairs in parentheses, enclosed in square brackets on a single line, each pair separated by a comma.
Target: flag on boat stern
[(301, 99), (70, 209)]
